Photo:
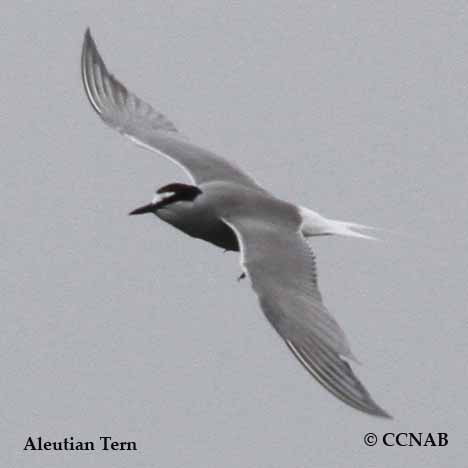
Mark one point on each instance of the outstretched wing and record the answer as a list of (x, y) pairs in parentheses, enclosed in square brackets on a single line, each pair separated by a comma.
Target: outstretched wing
[(282, 270), (122, 110)]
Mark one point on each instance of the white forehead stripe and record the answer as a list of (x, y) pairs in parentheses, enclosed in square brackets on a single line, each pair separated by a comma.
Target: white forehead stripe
[(161, 196)]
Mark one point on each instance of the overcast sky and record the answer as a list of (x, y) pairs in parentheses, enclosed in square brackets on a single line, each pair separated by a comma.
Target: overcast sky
[(122, 326)]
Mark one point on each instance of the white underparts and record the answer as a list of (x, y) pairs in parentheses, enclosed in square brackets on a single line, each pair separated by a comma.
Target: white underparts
[(314, 224)]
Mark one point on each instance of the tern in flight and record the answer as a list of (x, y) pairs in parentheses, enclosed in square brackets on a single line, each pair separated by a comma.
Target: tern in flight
[(226, 207)]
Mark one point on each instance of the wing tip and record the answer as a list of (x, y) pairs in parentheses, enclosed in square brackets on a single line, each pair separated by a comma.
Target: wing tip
[(89, 56), (373, 409), (360, 399), (88, 40), (88, 43), (384, 414)]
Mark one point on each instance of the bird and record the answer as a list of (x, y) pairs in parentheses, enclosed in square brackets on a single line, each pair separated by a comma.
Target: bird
[(225, 206)]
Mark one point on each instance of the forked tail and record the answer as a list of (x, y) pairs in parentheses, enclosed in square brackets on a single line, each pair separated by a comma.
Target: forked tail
[(349, 229), (314, 224)]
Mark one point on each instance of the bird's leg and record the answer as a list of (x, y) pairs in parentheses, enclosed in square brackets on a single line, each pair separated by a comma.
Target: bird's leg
[(242, 276)]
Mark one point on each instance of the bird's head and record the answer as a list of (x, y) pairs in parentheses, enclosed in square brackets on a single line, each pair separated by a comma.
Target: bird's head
[(167, 195)]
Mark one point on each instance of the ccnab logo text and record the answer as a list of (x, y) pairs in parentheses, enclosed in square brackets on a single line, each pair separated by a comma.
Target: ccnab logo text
[(418, 439)]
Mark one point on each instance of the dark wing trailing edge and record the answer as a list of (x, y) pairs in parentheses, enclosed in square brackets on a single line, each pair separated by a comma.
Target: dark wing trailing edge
[(336, 375), (131, 116), (282, 270)]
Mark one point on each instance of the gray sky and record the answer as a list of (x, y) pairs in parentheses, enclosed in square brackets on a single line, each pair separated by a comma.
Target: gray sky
[(125, 327)]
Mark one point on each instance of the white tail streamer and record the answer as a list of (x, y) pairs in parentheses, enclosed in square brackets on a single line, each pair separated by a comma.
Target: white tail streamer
[(314, 224)]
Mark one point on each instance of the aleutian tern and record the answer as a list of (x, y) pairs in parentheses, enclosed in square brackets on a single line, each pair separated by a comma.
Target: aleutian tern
[(228, 208)]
